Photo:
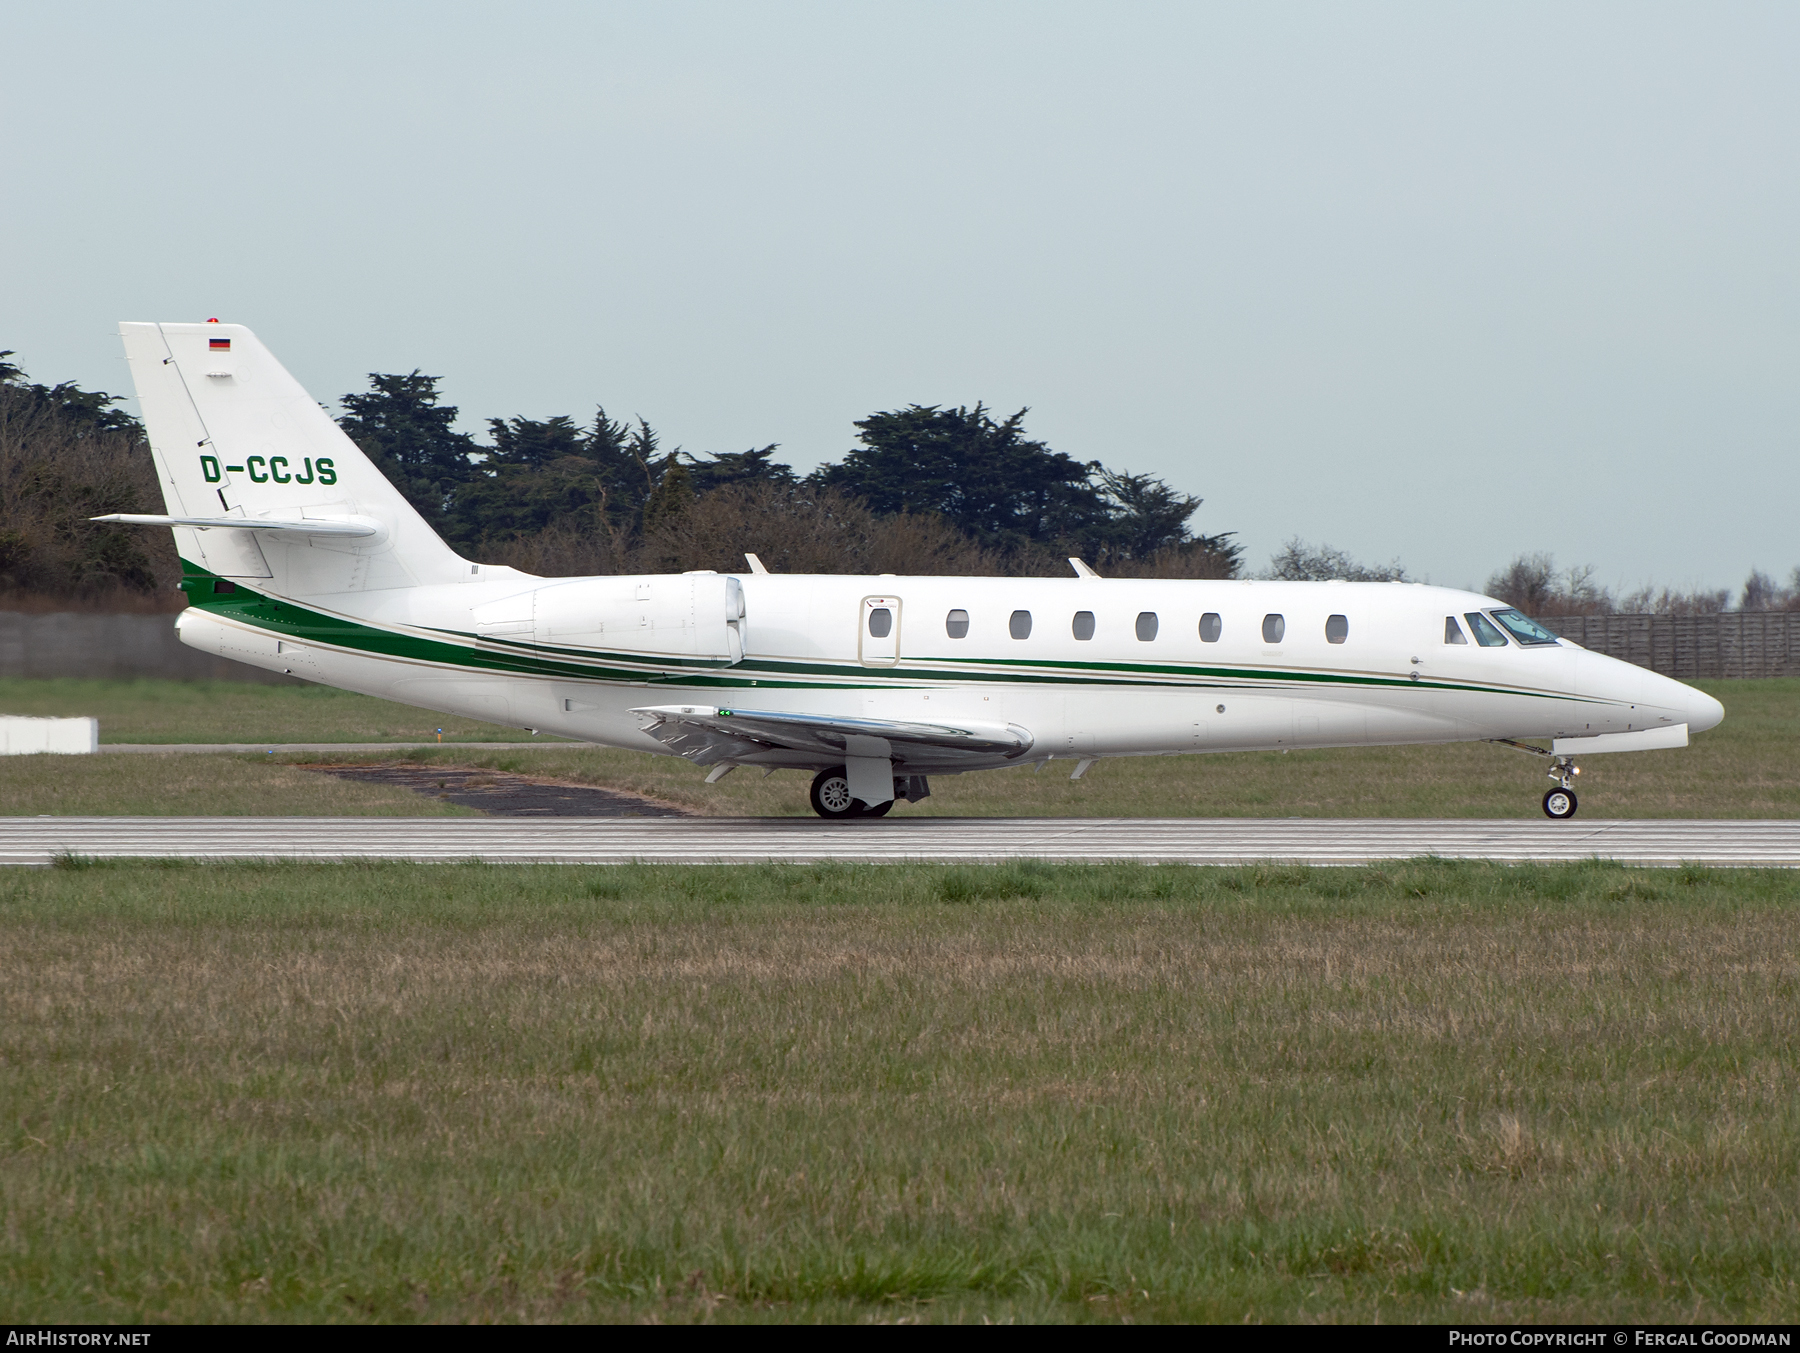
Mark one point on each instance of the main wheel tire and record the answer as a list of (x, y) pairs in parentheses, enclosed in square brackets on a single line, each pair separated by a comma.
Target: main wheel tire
[(1559, 804), (879, 810), (831, 795)]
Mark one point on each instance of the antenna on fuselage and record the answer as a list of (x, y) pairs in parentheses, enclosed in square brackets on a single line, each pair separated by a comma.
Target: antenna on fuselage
[(756, 565), (1081, 569)]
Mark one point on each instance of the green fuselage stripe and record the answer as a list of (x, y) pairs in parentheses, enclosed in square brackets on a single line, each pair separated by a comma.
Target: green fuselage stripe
[(469, 651)]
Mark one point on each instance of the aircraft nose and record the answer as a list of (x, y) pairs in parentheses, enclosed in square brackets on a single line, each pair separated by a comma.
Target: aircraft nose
[(1703, 712), (1695, 708)]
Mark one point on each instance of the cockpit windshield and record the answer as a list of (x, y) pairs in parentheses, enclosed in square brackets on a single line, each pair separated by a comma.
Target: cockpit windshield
[(1523, 628), (1483, 630)]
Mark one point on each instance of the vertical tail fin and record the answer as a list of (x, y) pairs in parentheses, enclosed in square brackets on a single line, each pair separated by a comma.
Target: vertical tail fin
[(235, 436)]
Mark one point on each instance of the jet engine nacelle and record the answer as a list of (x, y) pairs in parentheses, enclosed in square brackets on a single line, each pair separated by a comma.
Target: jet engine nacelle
[(689, 615)]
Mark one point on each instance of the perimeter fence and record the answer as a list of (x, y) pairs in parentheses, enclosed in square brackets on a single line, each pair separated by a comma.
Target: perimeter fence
[(75, 644), (1727, 644)]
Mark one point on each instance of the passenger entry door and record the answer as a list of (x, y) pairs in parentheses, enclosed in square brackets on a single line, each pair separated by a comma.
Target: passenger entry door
[(878, 635)]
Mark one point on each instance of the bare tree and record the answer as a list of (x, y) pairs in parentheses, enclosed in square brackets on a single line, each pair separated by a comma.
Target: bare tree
[(1299, 561), (1534, 585), (1666, 601), (1763, 593)]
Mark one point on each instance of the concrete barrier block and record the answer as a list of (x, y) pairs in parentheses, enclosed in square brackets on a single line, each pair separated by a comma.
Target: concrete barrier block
[(22, 736)]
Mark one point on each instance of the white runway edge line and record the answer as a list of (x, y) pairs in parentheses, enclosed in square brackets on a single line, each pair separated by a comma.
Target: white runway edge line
[(1333, 841)]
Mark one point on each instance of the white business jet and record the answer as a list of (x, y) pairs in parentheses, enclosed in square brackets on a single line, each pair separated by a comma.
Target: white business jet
[(300, 557)]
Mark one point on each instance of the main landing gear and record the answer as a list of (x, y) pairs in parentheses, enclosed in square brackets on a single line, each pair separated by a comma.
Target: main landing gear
[(831, 797)]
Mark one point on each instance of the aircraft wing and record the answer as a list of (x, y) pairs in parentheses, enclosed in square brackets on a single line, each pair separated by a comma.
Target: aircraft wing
[(706, 736), (312, 526)]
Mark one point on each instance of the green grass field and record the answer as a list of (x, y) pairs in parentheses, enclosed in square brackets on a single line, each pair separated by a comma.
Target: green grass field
[(237, 711), (1423, 1092), (1747, 767)]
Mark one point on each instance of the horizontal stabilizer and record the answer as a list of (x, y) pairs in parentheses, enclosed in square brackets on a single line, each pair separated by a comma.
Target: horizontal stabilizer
[(1639, 740), (312, 526), (706, 735)]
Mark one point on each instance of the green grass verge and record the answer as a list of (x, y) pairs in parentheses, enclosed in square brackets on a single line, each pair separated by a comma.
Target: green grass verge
[(1429, 1091)]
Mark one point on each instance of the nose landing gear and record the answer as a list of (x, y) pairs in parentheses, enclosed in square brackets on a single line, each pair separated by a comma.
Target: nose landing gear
[(1560, 802)]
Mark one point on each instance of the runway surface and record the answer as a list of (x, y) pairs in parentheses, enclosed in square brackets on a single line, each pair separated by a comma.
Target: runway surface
[(700, 840)]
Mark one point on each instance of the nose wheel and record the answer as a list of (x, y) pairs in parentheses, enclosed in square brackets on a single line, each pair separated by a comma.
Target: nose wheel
[(1559, 803)]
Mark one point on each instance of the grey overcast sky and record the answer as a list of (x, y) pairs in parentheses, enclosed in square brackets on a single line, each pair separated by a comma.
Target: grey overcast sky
[(1441, 282)]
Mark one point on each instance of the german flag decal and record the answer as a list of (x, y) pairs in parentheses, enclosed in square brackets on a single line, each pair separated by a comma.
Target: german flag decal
[(219, 344)]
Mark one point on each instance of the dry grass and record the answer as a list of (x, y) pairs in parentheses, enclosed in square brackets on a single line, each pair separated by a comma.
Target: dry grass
[(1428, 1092)]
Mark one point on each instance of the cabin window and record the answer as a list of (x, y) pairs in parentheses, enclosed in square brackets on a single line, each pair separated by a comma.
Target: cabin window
[(222, 586), (956, 624), (1019, 626), (1453, 632), (881, 622), (1146, 626), (1337, 628), (1083, 628), (1274, 627), (1211, 627), (1485, 633), (1525, 630)]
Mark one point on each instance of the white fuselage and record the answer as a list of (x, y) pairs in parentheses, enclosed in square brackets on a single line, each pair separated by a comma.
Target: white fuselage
[(574, 657)]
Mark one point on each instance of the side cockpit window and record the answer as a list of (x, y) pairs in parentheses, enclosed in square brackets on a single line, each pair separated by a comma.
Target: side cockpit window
[(1453, 632), (1526, 630), (1485, 633)]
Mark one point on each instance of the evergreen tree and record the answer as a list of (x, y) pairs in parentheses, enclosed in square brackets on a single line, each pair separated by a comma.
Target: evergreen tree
[(78, 411), (1146, 515), (412, 439), (1005, 488), (673, 496), (66, 454), (987, 477), (615, 452), (533, 445), (553, 475), (739, 467)]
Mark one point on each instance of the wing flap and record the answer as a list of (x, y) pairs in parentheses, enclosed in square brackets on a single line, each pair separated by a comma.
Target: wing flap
[(708, 735)]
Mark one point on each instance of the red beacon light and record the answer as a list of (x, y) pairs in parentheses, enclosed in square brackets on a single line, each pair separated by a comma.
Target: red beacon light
[(212, 321)]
